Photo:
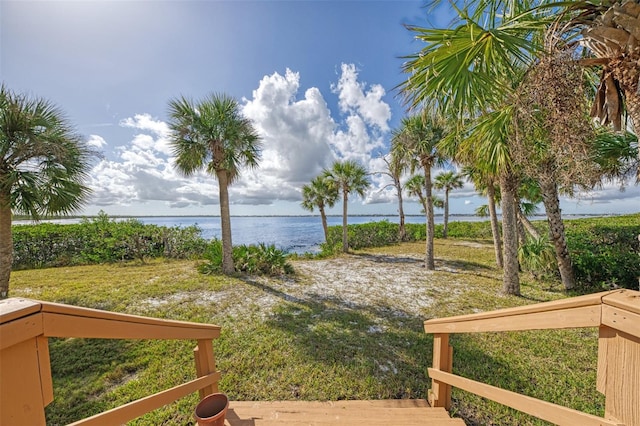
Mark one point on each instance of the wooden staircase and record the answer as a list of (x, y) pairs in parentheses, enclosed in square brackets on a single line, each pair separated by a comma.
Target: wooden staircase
[(405, 412)]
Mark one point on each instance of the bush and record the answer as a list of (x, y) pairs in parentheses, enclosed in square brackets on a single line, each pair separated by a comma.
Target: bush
[(537, 255), (383, 233), (605, 251), (254, 260), (100, 240)]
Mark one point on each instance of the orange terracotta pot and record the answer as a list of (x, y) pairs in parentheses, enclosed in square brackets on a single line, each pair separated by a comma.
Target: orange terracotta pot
[(212, 409)]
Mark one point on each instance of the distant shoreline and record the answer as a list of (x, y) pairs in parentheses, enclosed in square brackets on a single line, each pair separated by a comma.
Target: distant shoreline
[(25, 218)]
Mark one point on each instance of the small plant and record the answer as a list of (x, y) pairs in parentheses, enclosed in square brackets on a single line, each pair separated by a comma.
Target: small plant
[(537, 256), (254, 260)]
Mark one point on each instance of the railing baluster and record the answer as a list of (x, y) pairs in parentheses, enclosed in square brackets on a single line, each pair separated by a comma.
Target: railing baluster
[(205, 364), (442, 360)]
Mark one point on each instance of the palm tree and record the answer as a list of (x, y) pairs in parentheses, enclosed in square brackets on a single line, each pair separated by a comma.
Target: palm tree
[(212, 134), (417, 139), (447, 181), (415, 188), (396, 166), (553, 140), (319, 193), (347, 177), (43, 164)]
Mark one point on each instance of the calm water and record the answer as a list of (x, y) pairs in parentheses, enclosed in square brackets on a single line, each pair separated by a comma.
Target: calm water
[(296, 234)]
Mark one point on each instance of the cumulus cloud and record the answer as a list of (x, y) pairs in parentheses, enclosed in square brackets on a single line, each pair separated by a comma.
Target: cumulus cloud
[(295, 136), (96, 141), (158, 128), (299, 139), (353, 99)]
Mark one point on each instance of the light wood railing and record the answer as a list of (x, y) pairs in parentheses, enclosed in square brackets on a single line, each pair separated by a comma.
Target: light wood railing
[(26, 386), (616, 313)]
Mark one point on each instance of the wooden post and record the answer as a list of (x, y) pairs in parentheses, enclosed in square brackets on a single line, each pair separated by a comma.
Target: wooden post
[(440, 395), (205, 364), (621, 378)]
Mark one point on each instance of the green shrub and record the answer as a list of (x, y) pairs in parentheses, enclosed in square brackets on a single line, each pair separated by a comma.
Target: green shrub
[(470, 230), (605, 251), (383, 233), (537, 256), (253, 260), (101, 240)]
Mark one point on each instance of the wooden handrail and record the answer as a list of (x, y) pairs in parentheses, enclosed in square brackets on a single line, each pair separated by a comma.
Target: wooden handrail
[(26, 386), (616, 313)]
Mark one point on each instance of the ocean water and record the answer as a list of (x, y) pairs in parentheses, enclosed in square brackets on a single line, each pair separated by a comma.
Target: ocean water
[(294, 234)]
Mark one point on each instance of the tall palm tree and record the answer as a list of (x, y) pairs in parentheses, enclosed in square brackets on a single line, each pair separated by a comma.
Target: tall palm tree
[(554, 139), (396, 166), (43, 164), (348, 177), (212, 134), (447, 181), (417, 139), (319, 193)]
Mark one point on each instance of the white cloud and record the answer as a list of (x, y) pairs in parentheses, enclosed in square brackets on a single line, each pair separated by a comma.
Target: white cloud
[(96, 141), (159, 129), (299, 139), (354, 100), (295, 135)]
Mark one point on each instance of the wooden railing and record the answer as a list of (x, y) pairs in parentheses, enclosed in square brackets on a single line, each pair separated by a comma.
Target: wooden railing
[(26, 386), (616, 313)]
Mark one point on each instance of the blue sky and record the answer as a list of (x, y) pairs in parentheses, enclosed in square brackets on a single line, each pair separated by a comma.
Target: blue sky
[(316, 77)]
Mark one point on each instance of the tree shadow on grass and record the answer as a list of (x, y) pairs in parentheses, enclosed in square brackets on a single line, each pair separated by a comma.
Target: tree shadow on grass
[(82, 371), (372, 351), (462, 267)]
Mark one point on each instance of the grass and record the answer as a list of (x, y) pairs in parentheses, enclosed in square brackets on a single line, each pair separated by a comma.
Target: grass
[(281, 341)]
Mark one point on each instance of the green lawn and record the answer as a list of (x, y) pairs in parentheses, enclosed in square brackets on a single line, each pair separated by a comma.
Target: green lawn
[(310, 338)]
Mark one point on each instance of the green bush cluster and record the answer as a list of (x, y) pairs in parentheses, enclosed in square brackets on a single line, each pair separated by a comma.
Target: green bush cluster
[(258, 259), (383, 233), (605, 251), (101, 240)]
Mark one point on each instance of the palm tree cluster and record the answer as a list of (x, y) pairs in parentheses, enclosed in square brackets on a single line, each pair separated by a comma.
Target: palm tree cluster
[(344, 177), (510, 79), (416, 146)]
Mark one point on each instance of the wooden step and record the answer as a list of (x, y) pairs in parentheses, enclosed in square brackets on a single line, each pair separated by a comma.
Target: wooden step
[(406, 412)]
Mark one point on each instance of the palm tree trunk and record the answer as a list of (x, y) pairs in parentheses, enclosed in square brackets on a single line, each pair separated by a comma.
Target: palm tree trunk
[(345, 242), (528, 225), (6, 245), (429, 262), (522, 234), (510, 276), (402, 232), (556, 232), (225, 222), (495, 230), (446, 213), (325, 228)]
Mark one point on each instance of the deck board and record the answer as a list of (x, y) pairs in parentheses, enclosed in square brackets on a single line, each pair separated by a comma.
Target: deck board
[(355, 413)]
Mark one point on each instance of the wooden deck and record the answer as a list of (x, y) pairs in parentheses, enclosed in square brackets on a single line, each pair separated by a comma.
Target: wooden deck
[(405, 412)]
